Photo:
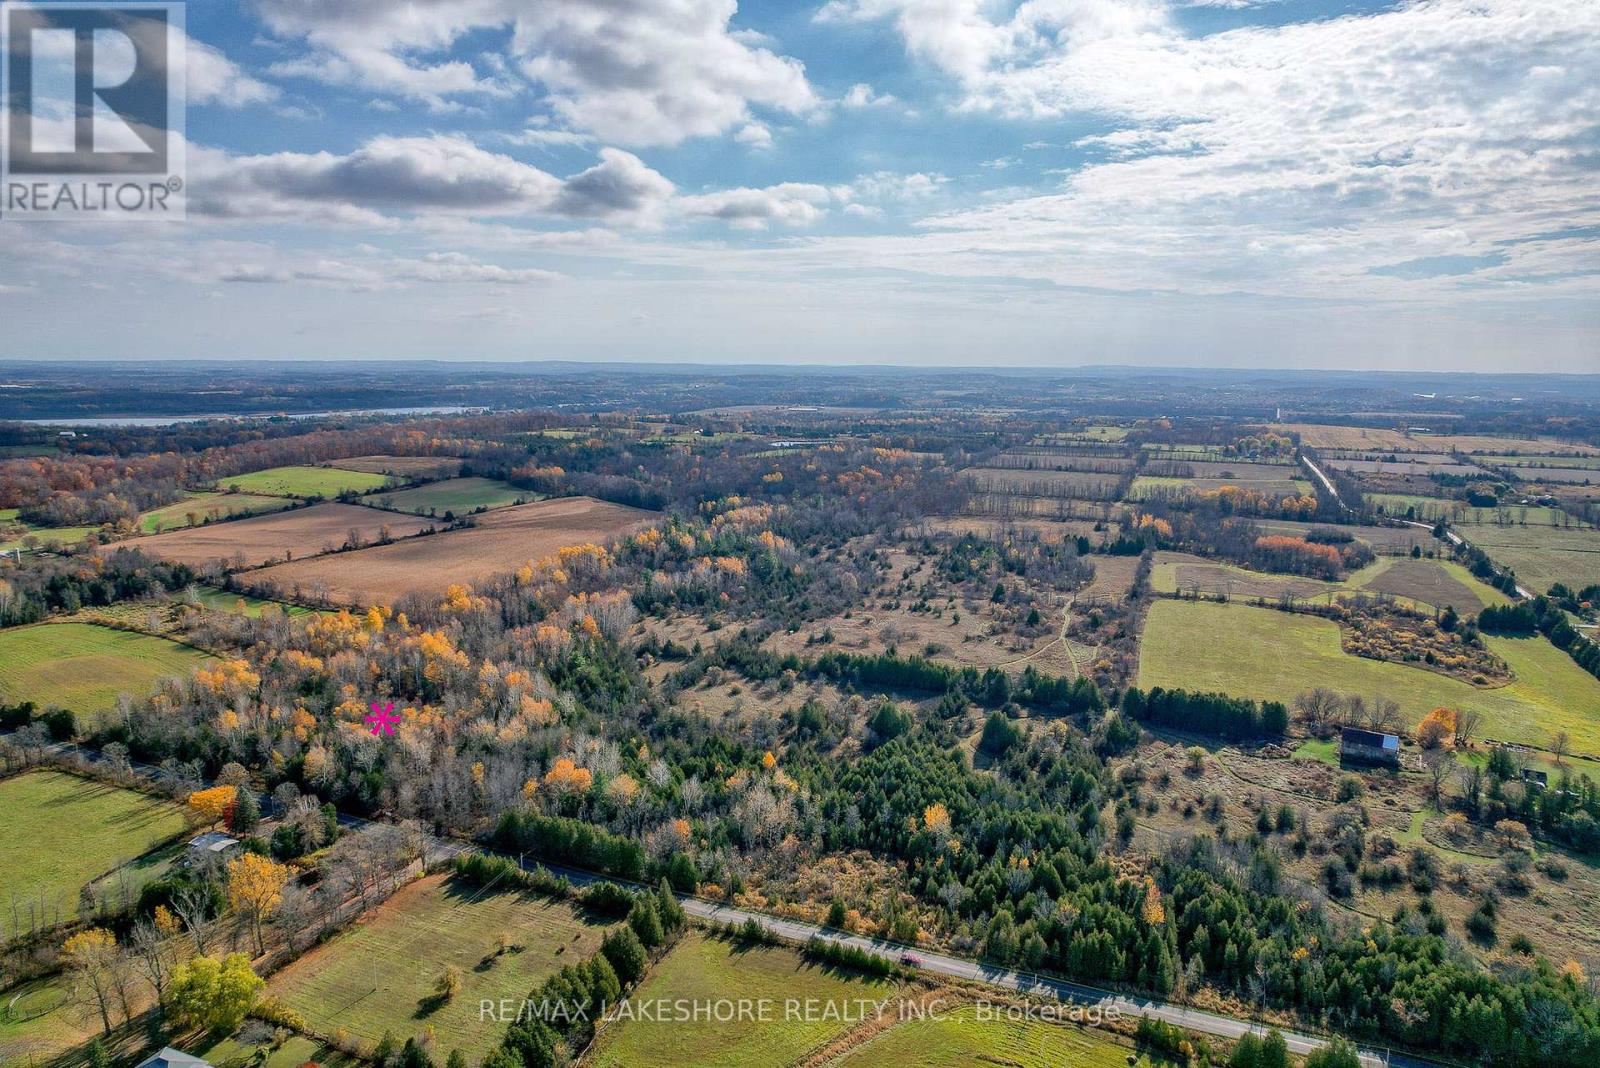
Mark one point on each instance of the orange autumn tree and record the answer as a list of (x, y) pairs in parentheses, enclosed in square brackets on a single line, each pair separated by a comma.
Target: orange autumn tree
[(1436, 728), (213, 804)]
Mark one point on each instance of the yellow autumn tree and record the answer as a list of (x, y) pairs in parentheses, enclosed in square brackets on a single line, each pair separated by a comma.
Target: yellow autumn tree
[(91, 964), (1154, 912), (255, 887), (213, 804), (936, 818)]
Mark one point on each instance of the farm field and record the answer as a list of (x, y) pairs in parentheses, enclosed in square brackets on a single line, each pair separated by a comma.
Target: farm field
[(1427, 583), (458, 495), (83, 667), (1083, 484), (1266, 654), (1591, 463), (1405, 467), (1576, 476), (305, 482), (961, 1038), (1152, 487), (205, 507), (47, 537), (501, 541), (1541, 556), (379, 975), (296, 1052), (1318, 436), (1397, 540), (1432, 509), (300, 532), (402, 466), (63, 832), (710, 970)]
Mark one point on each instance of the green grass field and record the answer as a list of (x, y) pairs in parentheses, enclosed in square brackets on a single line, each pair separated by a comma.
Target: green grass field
[(1270, 655), (1432, 509), (458, 495), (1541, 556), (62, 832), (305, 482), (961, 1037), (1421, 584), (83, 667), (223, 601), (378, 976), (717, 972), (47, 537), (298, 1050), (208, 506)]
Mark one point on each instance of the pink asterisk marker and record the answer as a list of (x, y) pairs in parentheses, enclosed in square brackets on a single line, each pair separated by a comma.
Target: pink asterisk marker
[(383, 720)]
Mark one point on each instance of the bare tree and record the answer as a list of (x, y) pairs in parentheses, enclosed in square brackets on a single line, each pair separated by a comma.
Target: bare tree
[(1438, 764), (1561, 745), (1467, 723), (192, 903)]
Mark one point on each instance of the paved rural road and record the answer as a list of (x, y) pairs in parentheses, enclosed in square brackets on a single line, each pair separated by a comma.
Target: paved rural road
[(439, 850)]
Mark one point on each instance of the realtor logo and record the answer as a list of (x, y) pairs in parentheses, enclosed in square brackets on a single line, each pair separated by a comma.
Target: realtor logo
[(94, 108)]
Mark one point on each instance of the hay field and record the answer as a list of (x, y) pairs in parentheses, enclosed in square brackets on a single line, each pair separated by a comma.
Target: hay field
[(956, 1039), (298, 481), (458, 495), (402, 466), (1542, 556), (200, 507), (299, 533), (83, 667), (1265, 654), (501, 541), (379, 975), (713, 971), (62, 832)]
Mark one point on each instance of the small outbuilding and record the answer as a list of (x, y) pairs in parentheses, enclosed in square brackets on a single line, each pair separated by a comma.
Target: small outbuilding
[(174, 1058), (212, 844), (1369, 747)]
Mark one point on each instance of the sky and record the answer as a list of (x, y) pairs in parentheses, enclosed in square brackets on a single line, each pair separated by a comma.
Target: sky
[(1260, 183)]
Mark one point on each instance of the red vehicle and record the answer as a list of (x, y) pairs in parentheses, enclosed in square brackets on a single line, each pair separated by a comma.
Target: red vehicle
[(910, 960)]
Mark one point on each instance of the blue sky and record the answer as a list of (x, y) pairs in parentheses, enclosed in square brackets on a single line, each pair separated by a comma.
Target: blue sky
[(1295, 183)]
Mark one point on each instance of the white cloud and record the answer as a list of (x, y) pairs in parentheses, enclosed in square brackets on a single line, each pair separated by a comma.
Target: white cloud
[(1293, 159), (213, 78), (862, 95), (639, 72), (791, 204), (755, 135)]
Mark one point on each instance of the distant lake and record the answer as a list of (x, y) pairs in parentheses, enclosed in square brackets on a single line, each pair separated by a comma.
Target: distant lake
[(174, 420)]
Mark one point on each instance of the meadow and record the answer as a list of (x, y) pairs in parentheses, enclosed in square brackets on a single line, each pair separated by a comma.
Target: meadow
[(961, 1037), (402, 466), (1541, 556), (458, 495), (296, 533), (712, 971), (238, 603), (305, 482), (1425, 584), (1266, 654), (63, 832), (46, 537), (379, 975), (202, 507), (501, 541), (83, 667)]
